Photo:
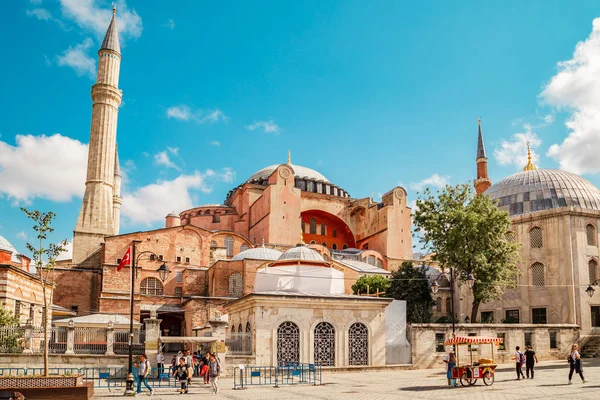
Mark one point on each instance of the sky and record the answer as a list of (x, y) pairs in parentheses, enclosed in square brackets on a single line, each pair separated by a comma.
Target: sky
[(370, 94)]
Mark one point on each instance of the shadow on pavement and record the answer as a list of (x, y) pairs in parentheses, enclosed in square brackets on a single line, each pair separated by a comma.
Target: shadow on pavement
[(425, 388)]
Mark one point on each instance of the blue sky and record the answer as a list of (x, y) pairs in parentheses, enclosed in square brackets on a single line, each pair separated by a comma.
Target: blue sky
[(371, 94)]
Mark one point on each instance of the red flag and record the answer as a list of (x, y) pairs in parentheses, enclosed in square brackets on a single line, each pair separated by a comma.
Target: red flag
[(126, 260)]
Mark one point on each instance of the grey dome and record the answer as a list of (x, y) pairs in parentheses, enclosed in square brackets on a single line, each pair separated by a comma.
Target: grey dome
[(544, 189), (299, 171), (7, 246), (258, 253), (301, 253)]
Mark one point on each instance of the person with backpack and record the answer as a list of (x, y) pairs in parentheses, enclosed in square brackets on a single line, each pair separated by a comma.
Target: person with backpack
[(143, 371), (520, 359), (183, 373), (214, 370), (575, 364), (530, 360)]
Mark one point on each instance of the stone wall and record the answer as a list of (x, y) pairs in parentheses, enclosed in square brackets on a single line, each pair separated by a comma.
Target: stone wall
[(64, 361), (425, 352)]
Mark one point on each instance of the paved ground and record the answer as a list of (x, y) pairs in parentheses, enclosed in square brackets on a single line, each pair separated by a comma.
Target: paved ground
[(550, 383)]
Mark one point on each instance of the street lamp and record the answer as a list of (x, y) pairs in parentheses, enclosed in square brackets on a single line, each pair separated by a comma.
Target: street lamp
[(470, 281), (590, 290), (163, 272), (435, 287)]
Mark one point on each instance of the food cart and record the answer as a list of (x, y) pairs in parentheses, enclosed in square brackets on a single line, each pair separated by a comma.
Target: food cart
[(483, 368)]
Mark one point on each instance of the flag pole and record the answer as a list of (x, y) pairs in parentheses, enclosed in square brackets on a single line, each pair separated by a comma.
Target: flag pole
[(129, 389)]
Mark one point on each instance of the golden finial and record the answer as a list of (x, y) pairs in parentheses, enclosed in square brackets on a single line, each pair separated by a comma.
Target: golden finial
[(530, 166), (289, 157), (479, 121), (263, 242), (302, 237), (114, 9)]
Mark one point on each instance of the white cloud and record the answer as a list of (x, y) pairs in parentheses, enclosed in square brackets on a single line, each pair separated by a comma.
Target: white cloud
[(215, 143), (78, 59), (22, 235), (435, 180), (162, 158), (267, 126), (95, 17), (130, 165), (173, 150), (170, 24), (576, 89), (213, 116), (548, 119), (184, 113), (147, 204), (35, 2), (514, 151), (49, 167), (40, 13), (179, 112)]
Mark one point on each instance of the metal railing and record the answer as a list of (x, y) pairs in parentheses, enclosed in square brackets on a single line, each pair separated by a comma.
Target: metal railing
[(240, 343), (58, 340), (90, 341), (121, 341), (12, 339), (290, 374)]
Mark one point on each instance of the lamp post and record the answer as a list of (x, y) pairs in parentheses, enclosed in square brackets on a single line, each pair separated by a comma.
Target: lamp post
[(590, 290), (163, 272)]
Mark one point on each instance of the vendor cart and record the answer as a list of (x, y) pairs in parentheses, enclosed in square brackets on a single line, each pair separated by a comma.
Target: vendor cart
[(476, 369)]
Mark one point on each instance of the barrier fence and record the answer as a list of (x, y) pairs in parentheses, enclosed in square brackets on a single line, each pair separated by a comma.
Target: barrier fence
[(288, 374)]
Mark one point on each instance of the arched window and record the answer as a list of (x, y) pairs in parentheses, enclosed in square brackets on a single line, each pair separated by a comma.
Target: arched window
[(229, 246), (325, 344), (235, 285), (334, 233), (313, 226), (323, 229), (334, 246), (288, 343), (535, 238), (213, 244), (510, 236), (438, 304), (593, 269), (344, 246), (243, 247), (248, 339), (379, 263), (313, 242), (324, 244), (371, 260), (240, 330), (358, 344), (448, 305), (537, 274), (232, 328), (303, 226), (590, 231), (151, 286)]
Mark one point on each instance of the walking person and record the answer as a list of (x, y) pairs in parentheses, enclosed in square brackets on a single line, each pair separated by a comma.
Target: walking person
[(575, 363), (160, 364), (204, 367), (189, 361), (520, 360), (182, 372), (530, 360), (143, 371), (450, 361), (214, 367)]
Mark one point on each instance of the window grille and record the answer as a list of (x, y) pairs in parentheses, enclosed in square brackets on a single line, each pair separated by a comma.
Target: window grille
[(553, 341), (17, 309), (187, 260), (593, 270), (178, 259), (288, 343), (216, 218), (313, 226), (179, 277), (527, 338), (535, 238), (439, 342), (324, 344), (590, 231), (229, 246), (510, 236), (358, 344), (538, 316), (512, 316), (178, 291), (596, 316), (537, 274), (151, 286), (487, 317), (235, 285)]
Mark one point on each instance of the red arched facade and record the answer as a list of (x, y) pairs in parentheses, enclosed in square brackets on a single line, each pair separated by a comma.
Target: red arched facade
[(326, 229)]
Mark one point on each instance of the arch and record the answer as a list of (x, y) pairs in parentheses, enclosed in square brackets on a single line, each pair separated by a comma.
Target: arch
[(448, 305), (323, 229), (151, 286), (324, 344), (313, 226), (334, 246), (535, 238), (538, 277), (235, 285), (358, 344), (438, 304), (248, 338), (303, 226), (232, 328), (593, 270), (344, 246), (313, 242), (240, 329), (229, 246), (324, 244), (288, 343), (590, 231)]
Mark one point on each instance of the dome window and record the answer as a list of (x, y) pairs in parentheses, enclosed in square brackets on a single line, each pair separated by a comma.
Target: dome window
[(313, 226), (590, 231), (593, 271), (229, 246), (538, 277), (323, 229), (535, 238)]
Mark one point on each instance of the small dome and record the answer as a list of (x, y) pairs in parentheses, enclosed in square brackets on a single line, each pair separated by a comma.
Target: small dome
[(6, 245), (544, 189), (301, 253), (258, 253), (299, 171)]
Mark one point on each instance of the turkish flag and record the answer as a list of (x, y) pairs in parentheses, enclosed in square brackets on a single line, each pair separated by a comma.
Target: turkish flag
[(126, 260)]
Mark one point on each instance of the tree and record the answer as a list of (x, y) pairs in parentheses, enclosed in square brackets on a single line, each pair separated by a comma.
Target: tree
[(371, 284), (469, 233), (411, 284), (9, 340), (42, 226)]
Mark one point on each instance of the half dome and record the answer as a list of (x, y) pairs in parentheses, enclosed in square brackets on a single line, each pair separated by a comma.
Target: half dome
[(544, 189), (301, 253), (258, 253)]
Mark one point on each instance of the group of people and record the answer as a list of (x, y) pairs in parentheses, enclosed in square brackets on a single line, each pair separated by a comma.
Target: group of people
[(529, 359), (184, 366)]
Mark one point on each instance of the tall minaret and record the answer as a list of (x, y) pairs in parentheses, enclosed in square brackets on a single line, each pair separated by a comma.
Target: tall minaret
[(96, 218), (483, 182), (117, 199)]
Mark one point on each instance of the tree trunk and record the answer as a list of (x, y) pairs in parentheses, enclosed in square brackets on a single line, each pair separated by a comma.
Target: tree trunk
[(474, 310), (45, 323)]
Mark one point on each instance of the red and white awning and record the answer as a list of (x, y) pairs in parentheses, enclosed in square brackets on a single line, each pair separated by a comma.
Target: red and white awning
[(473, 340)]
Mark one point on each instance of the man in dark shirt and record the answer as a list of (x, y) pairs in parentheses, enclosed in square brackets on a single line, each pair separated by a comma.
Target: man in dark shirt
[(530, 360), (204, 367)]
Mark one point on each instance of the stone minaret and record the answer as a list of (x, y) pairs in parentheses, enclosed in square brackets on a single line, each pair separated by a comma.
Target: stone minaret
[(102, 198), (483, 182), (117, 199)]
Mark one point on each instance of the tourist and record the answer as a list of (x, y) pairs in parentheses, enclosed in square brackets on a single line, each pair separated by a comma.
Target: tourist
[(214, 368), (143, 371), (520, 359), (204, 367), (530, 360), (189, 361), (182, 373), (575, 364), (450, 360), (195, 361), (160, 364)]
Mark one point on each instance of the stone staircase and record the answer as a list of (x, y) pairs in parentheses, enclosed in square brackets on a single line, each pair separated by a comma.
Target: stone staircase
[(590, 346)]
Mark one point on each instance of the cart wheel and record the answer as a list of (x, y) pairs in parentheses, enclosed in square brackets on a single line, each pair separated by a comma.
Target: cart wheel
[(488, 379), (465, 380), (473, 381)]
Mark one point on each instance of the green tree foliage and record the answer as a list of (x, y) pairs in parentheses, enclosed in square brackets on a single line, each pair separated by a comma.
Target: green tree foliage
[(371, 284), (7, 318), (470, 234), (43, 226), (411, 284), (9, 340)]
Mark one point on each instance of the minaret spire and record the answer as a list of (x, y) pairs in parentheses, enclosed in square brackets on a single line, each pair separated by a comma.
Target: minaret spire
[(289, 157), (102, 201), (483, 182)]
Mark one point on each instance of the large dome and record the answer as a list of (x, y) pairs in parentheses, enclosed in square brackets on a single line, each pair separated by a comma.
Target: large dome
[(299, 171), (543, 189), (258, 253), (301, 253), (7, 246)]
